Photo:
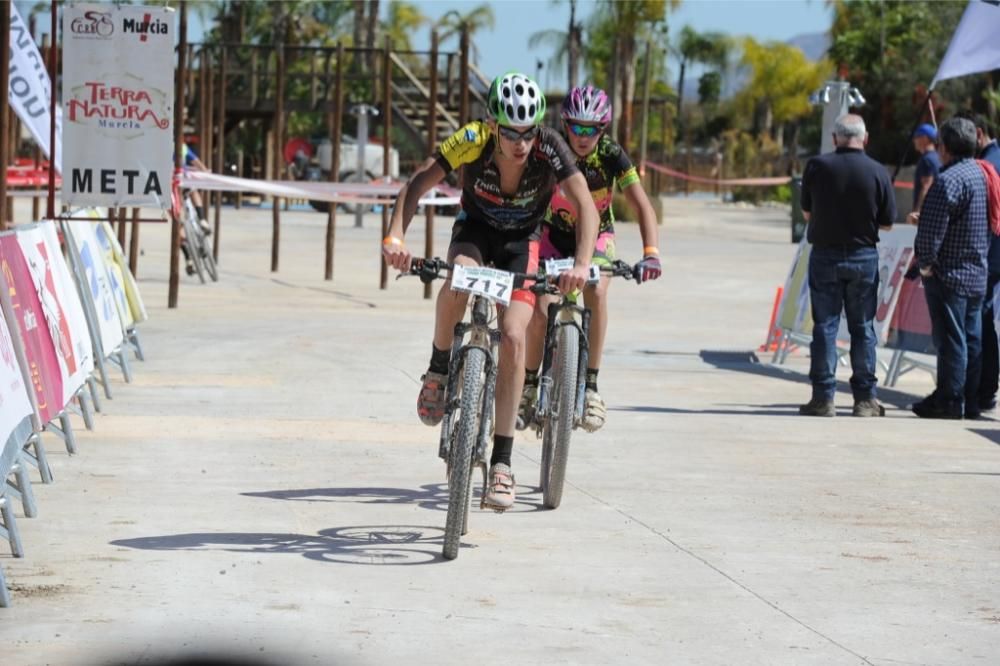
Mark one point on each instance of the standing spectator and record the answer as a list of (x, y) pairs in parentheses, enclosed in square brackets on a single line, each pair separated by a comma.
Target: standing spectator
[(846, 197), (988, 150), (951, 247), (928, 167)]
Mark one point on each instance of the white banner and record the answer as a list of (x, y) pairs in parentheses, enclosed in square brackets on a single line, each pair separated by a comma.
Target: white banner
[(116, 258), (118, 105), (60, 304), (975, 46), (98, 282), (30, 90), (15, 405)]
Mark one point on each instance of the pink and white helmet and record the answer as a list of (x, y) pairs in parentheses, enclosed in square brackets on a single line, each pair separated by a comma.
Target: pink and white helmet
[(587, 104)]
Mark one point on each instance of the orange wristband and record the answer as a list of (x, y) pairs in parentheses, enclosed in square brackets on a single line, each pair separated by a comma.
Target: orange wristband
[(651, 250), (391, 240)]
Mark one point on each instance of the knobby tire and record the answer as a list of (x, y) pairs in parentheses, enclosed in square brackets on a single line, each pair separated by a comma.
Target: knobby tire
[(462, 446), (559, 424)]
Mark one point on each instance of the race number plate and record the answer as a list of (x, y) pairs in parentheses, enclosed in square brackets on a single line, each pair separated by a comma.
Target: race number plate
[(557, 267), (489, 283)]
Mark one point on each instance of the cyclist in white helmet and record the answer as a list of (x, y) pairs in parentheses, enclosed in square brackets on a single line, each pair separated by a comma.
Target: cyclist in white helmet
[(586, 113), (512, 168)]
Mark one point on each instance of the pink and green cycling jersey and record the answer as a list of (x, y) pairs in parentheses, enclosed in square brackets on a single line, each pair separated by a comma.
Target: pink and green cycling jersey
[(606, 165)]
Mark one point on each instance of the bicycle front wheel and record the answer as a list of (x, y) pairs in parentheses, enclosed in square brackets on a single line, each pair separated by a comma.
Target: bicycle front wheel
[(462, 446), (209, 259), (559, 424)]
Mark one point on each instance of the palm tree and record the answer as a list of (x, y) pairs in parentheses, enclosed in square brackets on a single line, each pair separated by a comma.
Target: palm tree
[(710, 48), (477, 18), (567, 44)]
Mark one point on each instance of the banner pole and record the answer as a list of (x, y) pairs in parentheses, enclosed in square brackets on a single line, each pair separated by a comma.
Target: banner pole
[(175, 223)]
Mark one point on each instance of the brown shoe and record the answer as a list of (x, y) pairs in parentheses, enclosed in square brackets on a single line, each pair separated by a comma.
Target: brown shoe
[(431, 401), (869, 407), (818, 407)]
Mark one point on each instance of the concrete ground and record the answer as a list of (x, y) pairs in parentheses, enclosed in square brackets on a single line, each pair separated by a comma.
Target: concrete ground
[(264, 488)]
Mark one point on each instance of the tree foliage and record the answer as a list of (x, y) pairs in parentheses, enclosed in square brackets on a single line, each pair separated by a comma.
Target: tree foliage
[(891, 51)]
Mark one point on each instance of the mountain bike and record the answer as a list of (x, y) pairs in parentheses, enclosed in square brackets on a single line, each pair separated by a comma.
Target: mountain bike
[(562, 380), (467, 426)]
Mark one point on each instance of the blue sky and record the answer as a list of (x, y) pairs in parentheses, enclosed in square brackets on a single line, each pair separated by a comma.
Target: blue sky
[(506, 47)]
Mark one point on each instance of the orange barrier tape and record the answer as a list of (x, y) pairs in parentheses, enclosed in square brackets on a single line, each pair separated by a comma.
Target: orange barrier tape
[(777, 180)]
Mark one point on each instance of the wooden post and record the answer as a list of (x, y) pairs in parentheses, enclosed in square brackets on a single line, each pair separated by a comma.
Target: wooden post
[(203, 120), (687, 157), (336, 121), (279, 118), (645, 109), (175, 224), (133, 248), (50, 206), (463, 79), (220, 149), (386, 143), (122, 227), (4, 108), (431, 147)]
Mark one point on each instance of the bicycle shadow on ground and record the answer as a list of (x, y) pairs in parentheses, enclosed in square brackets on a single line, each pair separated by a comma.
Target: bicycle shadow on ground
[(392, 545), (432, 496)]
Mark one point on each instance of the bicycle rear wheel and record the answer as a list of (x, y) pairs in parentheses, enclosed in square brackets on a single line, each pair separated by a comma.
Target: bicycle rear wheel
[(194, 254), (462, 446), (559, 424)]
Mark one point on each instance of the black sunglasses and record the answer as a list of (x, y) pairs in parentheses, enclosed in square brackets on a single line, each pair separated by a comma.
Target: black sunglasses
[(512, 134)]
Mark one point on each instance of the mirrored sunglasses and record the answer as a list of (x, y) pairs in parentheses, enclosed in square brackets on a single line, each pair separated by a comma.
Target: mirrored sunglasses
[(512, 134), (585, 130)]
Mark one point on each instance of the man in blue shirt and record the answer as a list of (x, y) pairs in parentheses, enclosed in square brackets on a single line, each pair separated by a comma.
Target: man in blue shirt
[(928, 167), (989, 151), (951, 247)]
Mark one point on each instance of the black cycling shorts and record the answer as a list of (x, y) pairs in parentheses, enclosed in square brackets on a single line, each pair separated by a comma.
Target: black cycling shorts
[(515, 251)]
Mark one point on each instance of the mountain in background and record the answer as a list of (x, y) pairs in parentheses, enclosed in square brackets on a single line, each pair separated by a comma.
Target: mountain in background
[(813, 44)]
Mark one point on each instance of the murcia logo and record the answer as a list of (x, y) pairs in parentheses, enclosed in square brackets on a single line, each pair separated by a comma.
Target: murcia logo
[(93, 24), (147, 26)]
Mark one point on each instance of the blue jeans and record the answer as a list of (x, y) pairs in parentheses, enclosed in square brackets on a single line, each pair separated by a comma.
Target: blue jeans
[(956, 326), (843, 279)]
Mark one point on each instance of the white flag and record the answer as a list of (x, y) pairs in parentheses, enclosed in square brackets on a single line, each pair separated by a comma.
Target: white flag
[(30, 89), (975, 46)]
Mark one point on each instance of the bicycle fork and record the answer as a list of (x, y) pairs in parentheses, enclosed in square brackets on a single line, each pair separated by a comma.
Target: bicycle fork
[(556, 319)]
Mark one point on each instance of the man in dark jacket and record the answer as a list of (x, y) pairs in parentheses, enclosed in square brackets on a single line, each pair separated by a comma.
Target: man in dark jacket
[(847, 197), (988, 381), (951, 247)]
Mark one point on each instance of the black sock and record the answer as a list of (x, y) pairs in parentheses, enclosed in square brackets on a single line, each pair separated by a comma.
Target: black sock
[(531, 377), (502, 448), (201, 212), (439, 360), (187, 255), (592, 378)]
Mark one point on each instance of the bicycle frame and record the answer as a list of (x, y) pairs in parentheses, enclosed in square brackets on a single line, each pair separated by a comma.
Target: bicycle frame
[(562, 314)]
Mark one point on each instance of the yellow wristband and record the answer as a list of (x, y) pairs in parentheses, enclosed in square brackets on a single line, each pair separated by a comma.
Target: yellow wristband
[(391, 240), (650, 250)]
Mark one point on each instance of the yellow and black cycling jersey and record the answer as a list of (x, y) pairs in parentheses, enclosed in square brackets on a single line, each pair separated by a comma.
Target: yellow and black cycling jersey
[(549, 163), (606, 165)]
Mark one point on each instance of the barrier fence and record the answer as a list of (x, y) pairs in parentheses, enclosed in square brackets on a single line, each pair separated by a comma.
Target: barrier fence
[(69, 307)]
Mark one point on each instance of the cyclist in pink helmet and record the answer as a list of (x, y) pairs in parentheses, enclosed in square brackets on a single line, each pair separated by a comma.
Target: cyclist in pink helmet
[(586, 113)]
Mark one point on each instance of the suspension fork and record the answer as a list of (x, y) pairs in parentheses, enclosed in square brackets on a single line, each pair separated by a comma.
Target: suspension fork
[(455, 363), (545, 380), (581, 381), (489, 398)]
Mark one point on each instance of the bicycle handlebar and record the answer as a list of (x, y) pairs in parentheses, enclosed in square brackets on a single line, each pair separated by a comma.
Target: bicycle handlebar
[(429, 270)]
